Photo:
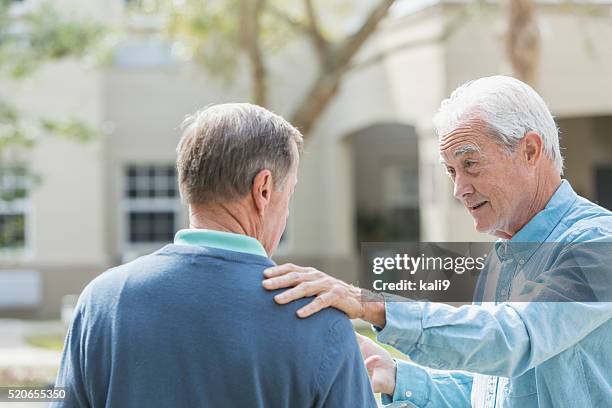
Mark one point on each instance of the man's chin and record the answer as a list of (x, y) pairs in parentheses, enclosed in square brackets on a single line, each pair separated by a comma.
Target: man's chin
[(482, 227), (489, 229)]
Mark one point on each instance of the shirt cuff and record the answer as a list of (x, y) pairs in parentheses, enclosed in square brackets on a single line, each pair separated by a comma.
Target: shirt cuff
[(403, 325), (411, 385)]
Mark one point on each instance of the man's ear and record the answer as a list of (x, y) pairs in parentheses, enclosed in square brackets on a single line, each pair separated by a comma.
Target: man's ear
[(533, 147), (261, 190)]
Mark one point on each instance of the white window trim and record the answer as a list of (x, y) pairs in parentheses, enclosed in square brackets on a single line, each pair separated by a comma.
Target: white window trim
[(129, 250)]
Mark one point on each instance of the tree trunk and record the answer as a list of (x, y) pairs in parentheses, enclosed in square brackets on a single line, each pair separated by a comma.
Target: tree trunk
[(523, 40), (333, 69), (250, 12)]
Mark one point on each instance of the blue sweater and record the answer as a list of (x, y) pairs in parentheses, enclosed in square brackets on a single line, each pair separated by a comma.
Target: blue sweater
[(191, 326)]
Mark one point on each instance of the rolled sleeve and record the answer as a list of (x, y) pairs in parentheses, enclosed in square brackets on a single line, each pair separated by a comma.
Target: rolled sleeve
[(403, 326), (411, 385)]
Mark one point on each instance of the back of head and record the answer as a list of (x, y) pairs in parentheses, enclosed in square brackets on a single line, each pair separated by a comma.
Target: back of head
[(224, 146)]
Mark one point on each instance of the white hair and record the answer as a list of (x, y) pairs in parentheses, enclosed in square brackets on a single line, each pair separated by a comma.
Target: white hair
[(508, 107)]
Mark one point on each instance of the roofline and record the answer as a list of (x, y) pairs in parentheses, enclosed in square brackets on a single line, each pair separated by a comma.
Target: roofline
[(407, 7)]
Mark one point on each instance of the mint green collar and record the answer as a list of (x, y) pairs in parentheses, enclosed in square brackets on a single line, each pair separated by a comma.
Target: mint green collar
[(221, 240)]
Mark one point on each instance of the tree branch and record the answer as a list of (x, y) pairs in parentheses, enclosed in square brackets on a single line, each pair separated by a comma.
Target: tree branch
[(291, 21), (449, 29), (523, 40), (320, 43), (250, 12), (353, 43), (333, 69)]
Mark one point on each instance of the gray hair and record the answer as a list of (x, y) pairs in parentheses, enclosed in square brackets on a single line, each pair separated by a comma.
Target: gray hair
[(509, 109), (223, 147)]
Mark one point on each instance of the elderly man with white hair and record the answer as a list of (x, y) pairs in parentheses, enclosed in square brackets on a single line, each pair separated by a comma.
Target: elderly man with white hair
[(500, 146)]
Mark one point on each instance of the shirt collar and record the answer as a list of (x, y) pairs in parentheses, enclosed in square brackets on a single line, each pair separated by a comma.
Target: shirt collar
[(221, 240), (538, 229)]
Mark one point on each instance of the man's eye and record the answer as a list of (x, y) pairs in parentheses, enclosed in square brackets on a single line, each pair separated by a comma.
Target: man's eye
[(469, 163), (450, 171)]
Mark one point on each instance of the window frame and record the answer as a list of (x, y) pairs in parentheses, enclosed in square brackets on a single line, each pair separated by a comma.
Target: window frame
[(20, 206), (128, 205)]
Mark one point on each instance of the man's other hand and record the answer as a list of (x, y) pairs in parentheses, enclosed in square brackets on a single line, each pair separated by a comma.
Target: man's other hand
[(381, 367), (305, 282)]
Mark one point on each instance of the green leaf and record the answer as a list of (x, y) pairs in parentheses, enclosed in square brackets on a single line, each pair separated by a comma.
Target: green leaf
[(43, 35), (8, 113), (72, 129)]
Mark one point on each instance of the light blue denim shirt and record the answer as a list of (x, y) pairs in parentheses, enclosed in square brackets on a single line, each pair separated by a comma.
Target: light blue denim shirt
[(526, 354)]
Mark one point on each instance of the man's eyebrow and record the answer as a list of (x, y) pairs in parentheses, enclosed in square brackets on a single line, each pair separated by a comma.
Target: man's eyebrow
[(465, 149)]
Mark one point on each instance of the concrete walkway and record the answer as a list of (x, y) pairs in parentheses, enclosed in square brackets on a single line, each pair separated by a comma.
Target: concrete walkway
[(20, 360), (14, 350)]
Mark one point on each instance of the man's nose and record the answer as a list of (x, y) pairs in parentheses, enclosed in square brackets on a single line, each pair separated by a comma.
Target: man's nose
[(462, 188)]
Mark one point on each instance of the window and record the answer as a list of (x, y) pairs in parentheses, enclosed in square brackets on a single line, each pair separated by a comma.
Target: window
[(151, 182), (13, 207), (136, 53), (152, 204), (151, 226), (400, 185)]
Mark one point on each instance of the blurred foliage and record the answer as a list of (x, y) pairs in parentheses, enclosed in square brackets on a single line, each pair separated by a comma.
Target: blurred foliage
[(71, 129), (208, 32), (241, 36), (40, 35), (14, 182), (12, 134), (47, 341), (30, 36), (368, 332)]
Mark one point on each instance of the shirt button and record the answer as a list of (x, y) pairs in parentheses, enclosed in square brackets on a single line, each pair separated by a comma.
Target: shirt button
[(408, 394), (521, 261)]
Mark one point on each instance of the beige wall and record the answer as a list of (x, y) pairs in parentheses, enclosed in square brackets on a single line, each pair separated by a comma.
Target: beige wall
[(76, 217), (67, 223)]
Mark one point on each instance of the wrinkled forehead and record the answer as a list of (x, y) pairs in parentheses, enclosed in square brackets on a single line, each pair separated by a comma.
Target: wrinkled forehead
[(458, 143)]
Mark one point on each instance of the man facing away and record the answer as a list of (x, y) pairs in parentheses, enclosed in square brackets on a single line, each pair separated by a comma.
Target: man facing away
[(190, 325)]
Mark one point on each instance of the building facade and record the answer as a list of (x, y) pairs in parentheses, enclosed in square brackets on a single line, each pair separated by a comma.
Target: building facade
[(370, 171)]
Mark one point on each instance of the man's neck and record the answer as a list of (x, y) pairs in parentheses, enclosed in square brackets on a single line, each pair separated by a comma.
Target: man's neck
[(222, 217), (545, 189)]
